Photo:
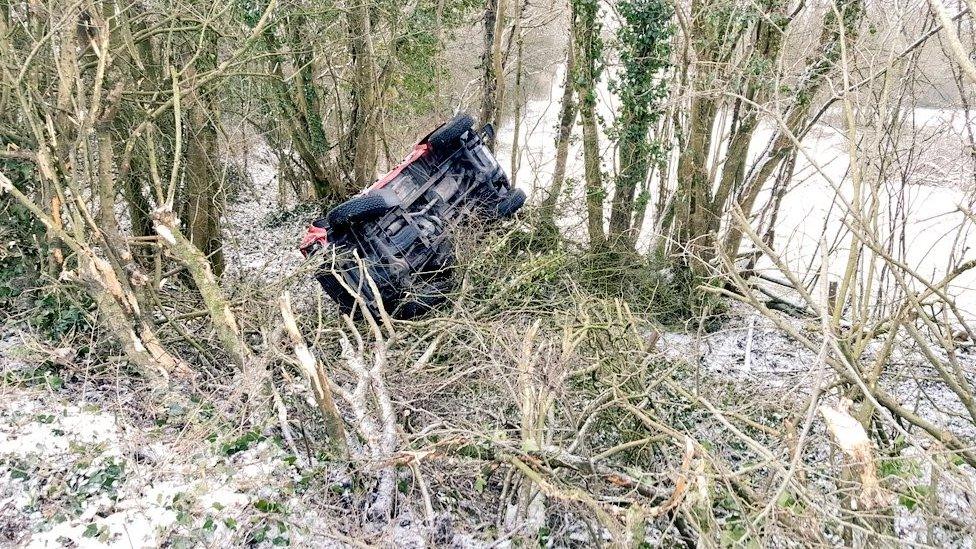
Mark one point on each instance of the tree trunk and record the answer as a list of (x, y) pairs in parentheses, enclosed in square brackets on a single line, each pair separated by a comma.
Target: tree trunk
[(362, 131), (770, 30), (692, 199), (138, 205), (488, 65), (204, 193), (633, 165), (121, 314), (132, 174), (204, 204), (301, 118), (586, 40), (518, 99), (190, 255), (493, 74), (594, 179), (567, 119), (819, 65), (644, 45), (106, 186), (497, 61)]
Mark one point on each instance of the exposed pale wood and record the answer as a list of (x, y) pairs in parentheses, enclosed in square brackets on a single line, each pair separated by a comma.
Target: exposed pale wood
[(316, 376)]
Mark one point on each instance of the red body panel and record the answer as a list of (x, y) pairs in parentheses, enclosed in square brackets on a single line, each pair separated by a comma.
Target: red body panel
[(418, 150), (321, 236), (313, 236)]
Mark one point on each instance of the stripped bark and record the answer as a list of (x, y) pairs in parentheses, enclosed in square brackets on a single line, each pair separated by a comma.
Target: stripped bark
[(223, 318), (317, 377), (119, 309)]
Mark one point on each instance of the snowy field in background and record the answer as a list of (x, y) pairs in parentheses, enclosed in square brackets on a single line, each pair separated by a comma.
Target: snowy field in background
[(813, 208)]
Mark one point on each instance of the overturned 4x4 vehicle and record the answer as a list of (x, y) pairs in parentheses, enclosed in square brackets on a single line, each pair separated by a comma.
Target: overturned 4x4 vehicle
[(399, 229)]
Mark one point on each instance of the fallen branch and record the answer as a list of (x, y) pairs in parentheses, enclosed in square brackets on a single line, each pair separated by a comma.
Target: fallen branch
[(224, 321), (550, 456), (316, 377)]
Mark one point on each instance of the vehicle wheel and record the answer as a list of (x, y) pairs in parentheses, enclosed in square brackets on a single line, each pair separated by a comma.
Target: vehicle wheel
[(360, 208), (335, 291), (382, 277), (446, 137), (442, 263), (423, 297), (512, 202)]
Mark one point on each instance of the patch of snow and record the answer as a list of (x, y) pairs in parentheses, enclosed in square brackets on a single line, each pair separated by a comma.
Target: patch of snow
[(261, 243), (29, 429), (71, 476)]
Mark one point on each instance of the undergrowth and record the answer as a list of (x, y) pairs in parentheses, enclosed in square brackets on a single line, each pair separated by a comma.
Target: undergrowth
[(27, 292), (525, 268)]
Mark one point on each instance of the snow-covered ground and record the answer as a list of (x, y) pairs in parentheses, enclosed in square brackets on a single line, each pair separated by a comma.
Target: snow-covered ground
[(755, 355), (81, 469), (261, 237), (90, 466), (936, 235)]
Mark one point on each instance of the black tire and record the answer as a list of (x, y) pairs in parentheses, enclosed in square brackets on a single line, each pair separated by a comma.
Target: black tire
[(512, 202), (423, 297), (447, 137), (351, 275), (334, 290), (360, 208)]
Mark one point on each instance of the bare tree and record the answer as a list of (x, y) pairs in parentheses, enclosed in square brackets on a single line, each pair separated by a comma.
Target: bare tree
[(587, 62)]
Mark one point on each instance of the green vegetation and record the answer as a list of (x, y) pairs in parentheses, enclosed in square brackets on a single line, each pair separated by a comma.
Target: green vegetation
[(592, 380)]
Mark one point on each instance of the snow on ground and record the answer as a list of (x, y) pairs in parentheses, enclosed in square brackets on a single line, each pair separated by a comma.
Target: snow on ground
[(261, 234), (751, 349), (76, 475), (751, 352), (80, 467)]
